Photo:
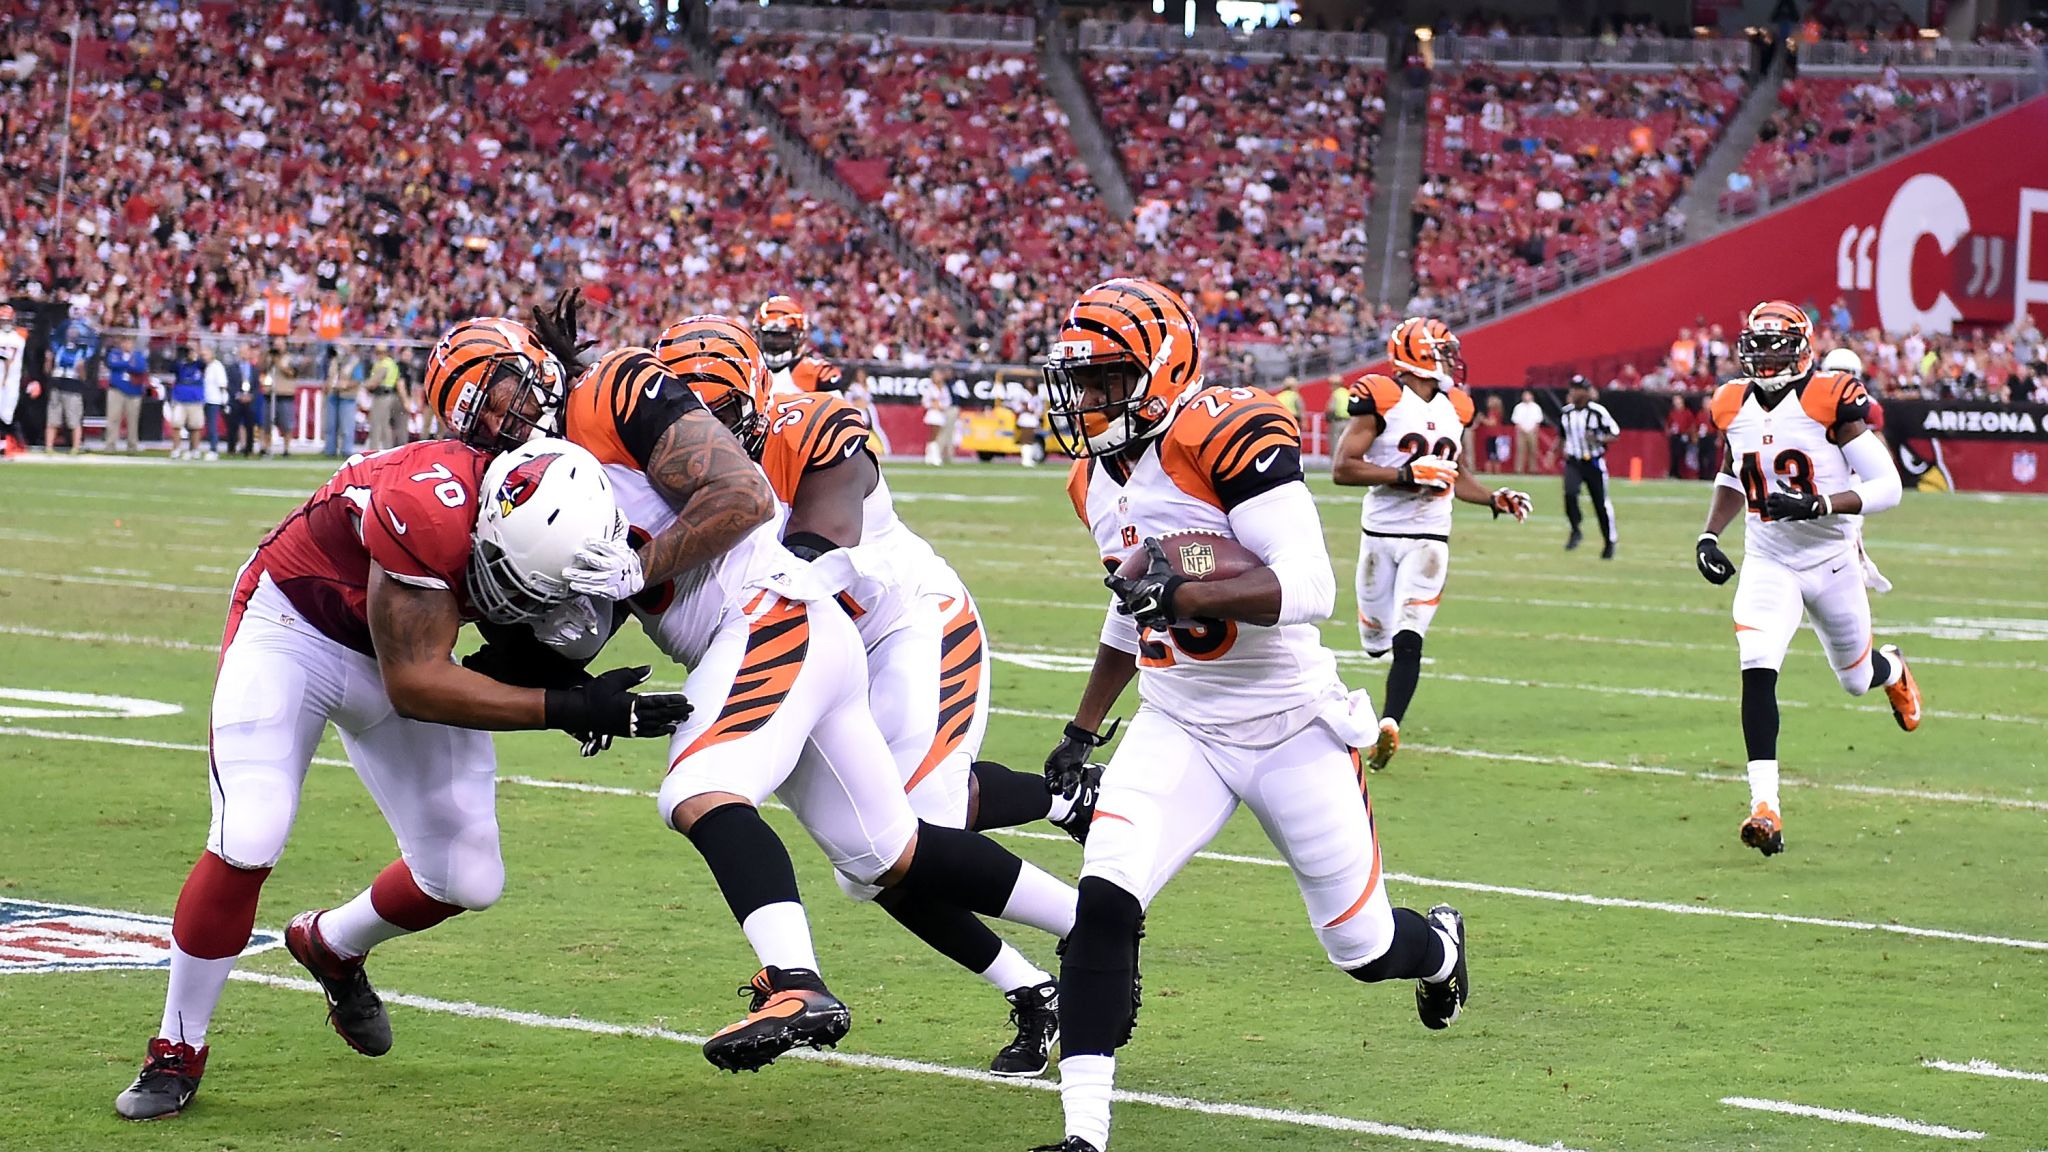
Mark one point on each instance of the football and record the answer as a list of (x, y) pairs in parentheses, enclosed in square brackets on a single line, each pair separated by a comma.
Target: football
[(1197, 554)]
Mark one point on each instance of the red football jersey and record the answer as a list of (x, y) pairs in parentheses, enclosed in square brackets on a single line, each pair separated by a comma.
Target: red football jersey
[(410, 509)]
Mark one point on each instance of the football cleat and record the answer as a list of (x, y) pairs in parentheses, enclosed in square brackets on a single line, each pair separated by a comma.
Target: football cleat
[(1383, 749), (353, 1007), (1440, 1002), (791, 1006), (170, 1076), (1036, 1013), (1763, 830), (1607, 550), (1904, 695), (1070, 1144), (1573, 541), (1075, 823)]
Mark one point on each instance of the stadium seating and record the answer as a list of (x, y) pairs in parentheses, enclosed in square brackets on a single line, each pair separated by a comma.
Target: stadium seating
[(1825, 126)]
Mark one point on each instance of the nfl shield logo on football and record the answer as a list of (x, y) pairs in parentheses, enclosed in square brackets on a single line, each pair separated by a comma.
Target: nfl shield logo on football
[(2025, 467), (39, 937), (1197, 560)]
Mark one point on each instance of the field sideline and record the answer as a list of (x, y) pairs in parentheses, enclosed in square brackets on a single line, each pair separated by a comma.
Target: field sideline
[(1571, 781)]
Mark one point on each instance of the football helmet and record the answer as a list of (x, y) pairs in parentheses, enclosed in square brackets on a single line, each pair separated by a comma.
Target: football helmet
[(723, 365), (1128, 351), (482, 359), (1843, 360), (1775, 347), (781, 327), (541, 503), (1426, 347)]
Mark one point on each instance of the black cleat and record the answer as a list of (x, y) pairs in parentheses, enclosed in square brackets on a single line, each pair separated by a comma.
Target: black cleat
[(1036, 1013), (791, 1006), (353, 1007), (1439, 1003), (1572, 543), (1607, 550), (1764, 831), (1070, 1144), (170, 1076), (1076, 822)]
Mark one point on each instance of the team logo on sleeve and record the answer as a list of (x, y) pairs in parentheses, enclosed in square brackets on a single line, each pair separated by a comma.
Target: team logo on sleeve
[(522, 482), (39, 937)]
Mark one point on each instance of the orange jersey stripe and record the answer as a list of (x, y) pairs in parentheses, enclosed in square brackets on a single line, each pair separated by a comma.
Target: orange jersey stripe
[(960, 656), (777, 641)]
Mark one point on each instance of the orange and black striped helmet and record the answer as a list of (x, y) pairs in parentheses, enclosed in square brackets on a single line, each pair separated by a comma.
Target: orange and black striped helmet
[(719, 360), (780, 327), (1426, 347), (1127, 353), (477, 359), (1775, 347)]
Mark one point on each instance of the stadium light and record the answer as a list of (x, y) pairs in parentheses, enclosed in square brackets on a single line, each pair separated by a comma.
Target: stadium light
[(1188, 19), (1158, 7)]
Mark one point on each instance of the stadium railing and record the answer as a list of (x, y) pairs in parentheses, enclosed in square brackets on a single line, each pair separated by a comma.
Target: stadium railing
[(1915, 57), (906, 26), (1556, 51), (1368, 48), (1567, 270)]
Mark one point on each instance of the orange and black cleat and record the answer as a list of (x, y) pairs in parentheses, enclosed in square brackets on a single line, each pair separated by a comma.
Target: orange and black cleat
[(791, 1006), (1763, 830), (1904, 695)]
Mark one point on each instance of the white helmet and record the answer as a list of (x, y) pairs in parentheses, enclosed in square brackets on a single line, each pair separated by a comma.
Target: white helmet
[(541, 503), (1843, 360)]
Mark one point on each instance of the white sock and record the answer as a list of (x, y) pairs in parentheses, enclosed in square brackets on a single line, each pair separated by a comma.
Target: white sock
[(195, 989), (1012, 971), (781, 936), (1763, 783), (354, 928), (1085, 1084), (1450, 957), (1063, 806), (1041, 902)]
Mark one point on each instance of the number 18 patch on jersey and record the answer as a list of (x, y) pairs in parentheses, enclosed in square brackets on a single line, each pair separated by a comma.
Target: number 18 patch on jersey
[(39, 937)]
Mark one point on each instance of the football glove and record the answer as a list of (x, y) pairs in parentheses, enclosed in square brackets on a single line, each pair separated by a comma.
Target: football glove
[(1148, 599), (607, 707), (607, 569), (1066, 768), (569, 622), (557, 330), (1714, 563), (1429, 472), (1516, 504), (1797, 506)]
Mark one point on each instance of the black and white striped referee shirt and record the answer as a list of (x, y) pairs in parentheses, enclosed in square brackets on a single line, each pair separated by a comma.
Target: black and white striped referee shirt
[(1587, 430)]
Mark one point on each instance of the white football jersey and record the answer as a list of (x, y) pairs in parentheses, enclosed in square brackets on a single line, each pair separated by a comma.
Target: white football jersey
[(1410, 428), (13, 348), (1225, 446), (1783, 446)]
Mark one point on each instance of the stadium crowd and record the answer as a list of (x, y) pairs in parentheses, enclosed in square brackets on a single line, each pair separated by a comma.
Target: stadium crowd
[(2008, 366)]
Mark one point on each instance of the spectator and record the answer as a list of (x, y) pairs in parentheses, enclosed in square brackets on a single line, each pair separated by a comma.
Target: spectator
[(280, 392), (127, 383), (1339, 410), (1685, 355), (940, 411), (216, 401), (345, 398), (1528, 420), (1681, 429), (387, 404), (185, 415), (245, 404), (71, 355), (1289, 397)]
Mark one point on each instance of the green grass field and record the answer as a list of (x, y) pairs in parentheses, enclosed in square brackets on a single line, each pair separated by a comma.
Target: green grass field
[(1572, 782)]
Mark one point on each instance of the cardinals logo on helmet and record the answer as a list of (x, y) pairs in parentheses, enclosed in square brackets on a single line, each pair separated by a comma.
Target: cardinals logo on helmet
[(521, 483)]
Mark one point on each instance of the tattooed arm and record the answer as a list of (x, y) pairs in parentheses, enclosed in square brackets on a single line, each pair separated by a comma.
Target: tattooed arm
[(413, 630), (717, 493)]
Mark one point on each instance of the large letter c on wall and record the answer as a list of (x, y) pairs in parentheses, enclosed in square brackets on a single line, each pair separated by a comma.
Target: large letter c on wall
[(1925, 205)]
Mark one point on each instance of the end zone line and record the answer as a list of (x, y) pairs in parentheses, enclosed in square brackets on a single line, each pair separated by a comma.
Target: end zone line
[(1844, 1116), (1986, 1068), (868, 1062)]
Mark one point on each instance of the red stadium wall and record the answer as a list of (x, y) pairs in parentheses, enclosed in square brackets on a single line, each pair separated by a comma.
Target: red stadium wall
[(1956, 233)]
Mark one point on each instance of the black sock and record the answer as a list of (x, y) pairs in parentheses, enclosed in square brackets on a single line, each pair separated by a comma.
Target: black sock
[(952, 931), (1880, 670), (952, 866), (1417, 951), (1007, 798), (746, 858), (1760, 712), (1098, 969), (1402, 677)]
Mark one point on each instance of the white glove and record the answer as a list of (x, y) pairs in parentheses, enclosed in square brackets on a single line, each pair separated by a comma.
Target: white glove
[(573, 620), (607, 569), (1433, 473)]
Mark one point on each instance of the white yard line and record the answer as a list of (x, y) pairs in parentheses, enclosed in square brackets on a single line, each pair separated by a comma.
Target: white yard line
[(111, 582), (1986, 1068), (474, 1011), (1844, 1116), (106, 638)]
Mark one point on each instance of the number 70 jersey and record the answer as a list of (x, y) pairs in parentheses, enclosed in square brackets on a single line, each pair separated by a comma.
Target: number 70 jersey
[(1784, 446), (1226, 446)]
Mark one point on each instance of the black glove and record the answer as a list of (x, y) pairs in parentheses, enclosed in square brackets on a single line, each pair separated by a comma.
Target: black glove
[(1714, 563), (1797, 506), (1148, 599), (1065, 768), (557, 329), (607, 707)]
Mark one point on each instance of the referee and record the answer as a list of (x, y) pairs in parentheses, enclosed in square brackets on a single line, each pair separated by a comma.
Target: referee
[(1587, 427)]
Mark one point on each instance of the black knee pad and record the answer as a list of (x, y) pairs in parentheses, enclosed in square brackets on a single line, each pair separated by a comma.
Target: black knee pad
[(1408, 645)]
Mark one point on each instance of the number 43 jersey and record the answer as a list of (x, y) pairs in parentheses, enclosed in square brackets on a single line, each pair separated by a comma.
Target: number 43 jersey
[(1225, 448), (1410, 428), (1780, 442)]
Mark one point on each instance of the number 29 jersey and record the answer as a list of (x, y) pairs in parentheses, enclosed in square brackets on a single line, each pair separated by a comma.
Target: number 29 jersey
[(1410, 428), (1224, 447), (1781, 444)]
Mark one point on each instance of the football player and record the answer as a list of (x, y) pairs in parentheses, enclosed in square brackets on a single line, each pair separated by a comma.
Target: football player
[(1801, 464), (783, 332), (784, 687), (348, 612), (927, 656), (1404, 440), (1846, 361), (13, 352), (1240, 699)]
